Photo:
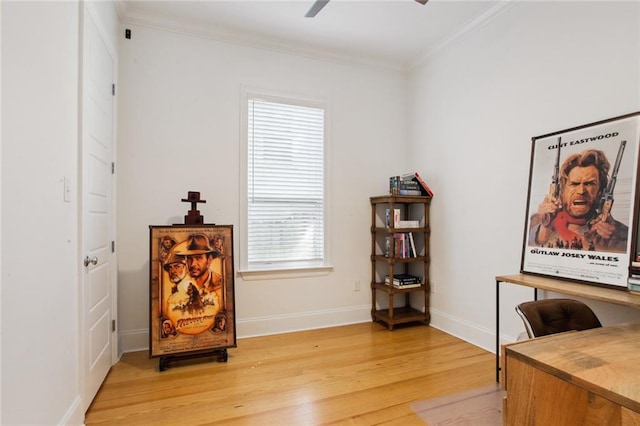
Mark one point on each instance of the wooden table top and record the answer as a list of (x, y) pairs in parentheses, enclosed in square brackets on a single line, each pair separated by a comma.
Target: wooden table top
[(605, 361), (619, 296)]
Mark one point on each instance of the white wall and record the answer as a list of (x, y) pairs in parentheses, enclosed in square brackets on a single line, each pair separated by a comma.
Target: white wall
[(40, 260), (39, 229), (537, 67), (473, 108), (0, 213), (179, 131)]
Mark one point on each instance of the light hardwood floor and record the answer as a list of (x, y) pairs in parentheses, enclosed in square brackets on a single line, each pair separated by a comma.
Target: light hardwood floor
[(358, 374)]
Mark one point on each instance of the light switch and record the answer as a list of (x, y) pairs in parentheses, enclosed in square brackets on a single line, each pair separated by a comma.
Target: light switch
[(67, 189)]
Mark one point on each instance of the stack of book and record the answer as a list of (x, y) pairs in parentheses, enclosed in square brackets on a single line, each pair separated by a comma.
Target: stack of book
[(403, 245), (399, 186), (404, 281), (409, 184), (633, 282)]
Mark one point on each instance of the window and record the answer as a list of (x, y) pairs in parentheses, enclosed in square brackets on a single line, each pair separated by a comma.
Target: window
[(285, 205)]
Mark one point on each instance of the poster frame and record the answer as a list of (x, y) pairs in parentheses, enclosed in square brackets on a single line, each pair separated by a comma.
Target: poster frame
[(183, 321), (590, 260)]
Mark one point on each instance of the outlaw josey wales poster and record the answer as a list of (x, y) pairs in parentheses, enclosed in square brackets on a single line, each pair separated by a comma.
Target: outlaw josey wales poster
[(581, 202), (191, 289)]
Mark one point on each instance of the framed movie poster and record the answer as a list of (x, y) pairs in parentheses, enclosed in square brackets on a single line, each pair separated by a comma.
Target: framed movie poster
[(191, 289), (581, 202)]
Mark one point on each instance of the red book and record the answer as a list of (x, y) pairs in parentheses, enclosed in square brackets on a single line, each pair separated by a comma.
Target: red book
[(423, 184)]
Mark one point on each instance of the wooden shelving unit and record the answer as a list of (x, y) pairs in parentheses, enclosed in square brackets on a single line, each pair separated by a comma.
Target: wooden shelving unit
[(384, 260)]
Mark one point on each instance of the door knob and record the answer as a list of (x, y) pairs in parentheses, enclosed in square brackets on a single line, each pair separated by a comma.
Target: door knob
[(88, 260)]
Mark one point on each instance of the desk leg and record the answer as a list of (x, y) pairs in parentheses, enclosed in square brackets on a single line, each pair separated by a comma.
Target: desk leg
[(497, 331), (535, 297)]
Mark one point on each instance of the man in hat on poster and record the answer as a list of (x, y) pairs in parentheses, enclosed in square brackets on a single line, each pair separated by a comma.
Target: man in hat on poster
[(572, 220), (166, 244), (199, 255), (176, 267)]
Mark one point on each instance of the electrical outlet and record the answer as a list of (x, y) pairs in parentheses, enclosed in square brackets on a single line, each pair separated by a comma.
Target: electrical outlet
[(433, 287), (356, 285)]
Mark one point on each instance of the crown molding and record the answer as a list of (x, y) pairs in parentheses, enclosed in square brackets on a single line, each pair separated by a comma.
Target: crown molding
[(291, 47), (462, 32), (273, 44)]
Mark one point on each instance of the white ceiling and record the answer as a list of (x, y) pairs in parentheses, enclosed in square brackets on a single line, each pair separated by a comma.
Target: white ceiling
[(390, 33)]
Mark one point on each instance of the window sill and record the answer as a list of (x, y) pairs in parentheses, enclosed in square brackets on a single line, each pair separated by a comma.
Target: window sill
[(273, 274)]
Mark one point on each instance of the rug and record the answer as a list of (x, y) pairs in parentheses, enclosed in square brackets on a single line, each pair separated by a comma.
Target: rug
[(476, 407)]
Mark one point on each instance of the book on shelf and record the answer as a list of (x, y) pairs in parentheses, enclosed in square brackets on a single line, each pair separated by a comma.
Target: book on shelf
[(408, 184), (404, 247), (633, 281), (394, 185), (404, 281), (395, 217), (415, 176), (409, 224), (401, 246), (409, 187), (633, 287), (409, 192), (401, 284), (413, 245), (404, 278), (398, 186), (405, 285), (397, 222)]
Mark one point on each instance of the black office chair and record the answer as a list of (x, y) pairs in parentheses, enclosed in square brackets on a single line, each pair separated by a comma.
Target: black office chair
[(549, 316)]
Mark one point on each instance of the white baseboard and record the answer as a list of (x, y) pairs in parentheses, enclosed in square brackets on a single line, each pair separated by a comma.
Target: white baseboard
[(262, 326), (138, 340), (133, 341), (74, 415), (479, 336)]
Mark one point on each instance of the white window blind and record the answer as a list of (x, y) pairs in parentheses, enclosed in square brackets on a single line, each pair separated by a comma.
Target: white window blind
[(285, 185)]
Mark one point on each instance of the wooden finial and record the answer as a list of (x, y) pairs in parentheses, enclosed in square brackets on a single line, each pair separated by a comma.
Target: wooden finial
[(193, 216)]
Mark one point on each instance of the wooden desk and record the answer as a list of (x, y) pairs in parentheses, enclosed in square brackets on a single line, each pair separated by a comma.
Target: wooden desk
[(619, 296), (577, 378)]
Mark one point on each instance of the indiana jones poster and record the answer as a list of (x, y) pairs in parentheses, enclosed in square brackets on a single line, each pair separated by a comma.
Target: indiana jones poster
[(581, 203), (191, 289)]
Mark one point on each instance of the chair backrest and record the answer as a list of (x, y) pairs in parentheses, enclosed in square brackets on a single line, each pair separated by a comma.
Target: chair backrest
[(549, 316)]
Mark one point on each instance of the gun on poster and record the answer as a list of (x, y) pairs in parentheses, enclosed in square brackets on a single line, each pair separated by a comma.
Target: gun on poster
[(554, 188), (606, 201)]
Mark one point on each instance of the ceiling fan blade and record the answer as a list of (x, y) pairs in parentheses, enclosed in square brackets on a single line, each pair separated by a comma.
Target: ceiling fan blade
[(316, 7), (319, 4)]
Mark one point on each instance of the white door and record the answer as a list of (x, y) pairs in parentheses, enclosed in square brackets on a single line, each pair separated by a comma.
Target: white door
[(98, 278)]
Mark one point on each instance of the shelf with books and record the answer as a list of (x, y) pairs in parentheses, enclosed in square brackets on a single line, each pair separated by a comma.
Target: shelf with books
[(633, 282), (400, 249)]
